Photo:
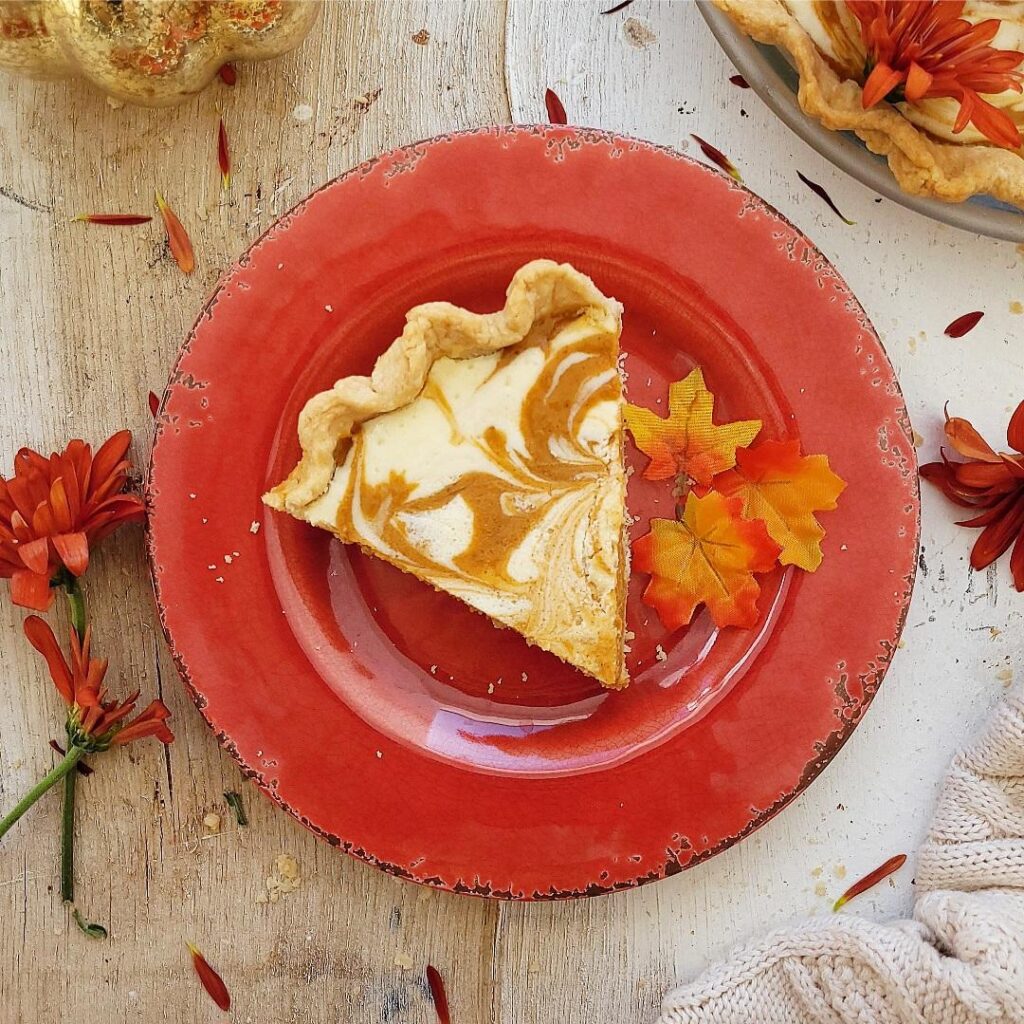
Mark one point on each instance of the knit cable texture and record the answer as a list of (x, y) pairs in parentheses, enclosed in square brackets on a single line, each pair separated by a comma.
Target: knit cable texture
[(959, 961)]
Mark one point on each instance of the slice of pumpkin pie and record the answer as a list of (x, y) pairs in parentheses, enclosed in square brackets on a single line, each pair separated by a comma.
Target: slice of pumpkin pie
[(484, 456)]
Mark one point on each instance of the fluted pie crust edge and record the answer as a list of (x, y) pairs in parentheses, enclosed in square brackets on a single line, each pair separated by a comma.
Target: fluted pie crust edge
[(540, 291)]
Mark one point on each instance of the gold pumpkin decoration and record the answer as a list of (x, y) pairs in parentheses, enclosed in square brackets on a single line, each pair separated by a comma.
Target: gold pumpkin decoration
[(153, 52)]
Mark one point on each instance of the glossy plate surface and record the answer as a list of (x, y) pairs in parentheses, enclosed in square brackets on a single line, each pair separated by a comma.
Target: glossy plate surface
[(398, 723)]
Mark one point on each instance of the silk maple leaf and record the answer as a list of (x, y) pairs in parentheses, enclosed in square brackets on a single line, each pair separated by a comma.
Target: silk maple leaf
[(707, 557), (784, 489), (687, 441)]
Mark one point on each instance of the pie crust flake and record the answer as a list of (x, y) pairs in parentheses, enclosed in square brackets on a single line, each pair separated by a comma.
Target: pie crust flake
[(926, 157), (484, 456)]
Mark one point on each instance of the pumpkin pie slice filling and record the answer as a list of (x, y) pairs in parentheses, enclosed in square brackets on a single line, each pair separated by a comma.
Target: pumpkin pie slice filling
[(484, 456)]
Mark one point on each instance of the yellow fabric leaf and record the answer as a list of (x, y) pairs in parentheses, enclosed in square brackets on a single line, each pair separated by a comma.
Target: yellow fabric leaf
[(687, 441)]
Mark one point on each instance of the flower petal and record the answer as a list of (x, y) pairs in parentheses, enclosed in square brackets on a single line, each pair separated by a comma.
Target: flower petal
[(112, 452), (996, 538), (73, 549), (968, 442), (1015, 431), (150, 722), (41, 637), (59, 506), (995, 124), (30, 590), (918, 82), (984, 474), (36, 555), (882, 80)]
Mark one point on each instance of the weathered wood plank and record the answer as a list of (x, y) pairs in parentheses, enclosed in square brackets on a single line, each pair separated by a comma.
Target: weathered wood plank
[(653, 70), (90, 319)]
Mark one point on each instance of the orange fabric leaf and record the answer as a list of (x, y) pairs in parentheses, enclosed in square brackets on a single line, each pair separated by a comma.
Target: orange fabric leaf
[(688, 441), (708, 557), (784, 489)]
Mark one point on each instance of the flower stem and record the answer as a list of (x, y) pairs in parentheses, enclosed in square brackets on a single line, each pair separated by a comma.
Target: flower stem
[(67, 839), (76, 604), (48, 781), (76, 609)]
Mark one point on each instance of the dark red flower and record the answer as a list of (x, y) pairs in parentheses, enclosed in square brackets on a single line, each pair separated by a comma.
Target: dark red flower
[(923, 48), (54, 509), (991, 483), (94, 722)]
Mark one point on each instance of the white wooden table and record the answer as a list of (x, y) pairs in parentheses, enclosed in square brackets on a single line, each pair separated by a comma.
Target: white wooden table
[(89, 322)]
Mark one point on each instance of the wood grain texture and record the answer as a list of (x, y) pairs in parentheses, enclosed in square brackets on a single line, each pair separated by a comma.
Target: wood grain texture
[(90, 319), (654, 70)]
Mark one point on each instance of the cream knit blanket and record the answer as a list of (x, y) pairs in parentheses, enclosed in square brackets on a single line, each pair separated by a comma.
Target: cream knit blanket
[(959, 961)]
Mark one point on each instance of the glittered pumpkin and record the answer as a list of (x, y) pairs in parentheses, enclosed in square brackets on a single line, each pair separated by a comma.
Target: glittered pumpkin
[(153, 52)]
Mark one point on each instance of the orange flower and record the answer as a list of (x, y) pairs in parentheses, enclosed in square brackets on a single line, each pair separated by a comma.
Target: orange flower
[(94, 723), (52, 510), (993, 484), (923, 48)]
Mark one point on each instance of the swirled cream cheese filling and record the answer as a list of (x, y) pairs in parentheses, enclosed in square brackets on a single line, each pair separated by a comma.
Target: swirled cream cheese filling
[(502, 484)]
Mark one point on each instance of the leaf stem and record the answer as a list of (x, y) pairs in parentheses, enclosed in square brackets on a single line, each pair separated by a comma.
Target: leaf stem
[(47, 782)]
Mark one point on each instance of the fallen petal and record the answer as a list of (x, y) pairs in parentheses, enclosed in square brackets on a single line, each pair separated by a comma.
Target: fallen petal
[(556, 112), (223, 155), (177, 237), (438, 994), (717, 157), (962, 324), (113, 219), (872, 879), (211, 980), (818, 190)]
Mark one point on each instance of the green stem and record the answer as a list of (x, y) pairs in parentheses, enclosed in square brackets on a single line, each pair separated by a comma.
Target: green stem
[(73, 756), (76, 610), (67, 840), (76, 604)]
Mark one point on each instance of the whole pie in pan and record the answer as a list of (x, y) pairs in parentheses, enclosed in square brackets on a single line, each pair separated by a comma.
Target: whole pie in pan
[(484, 455), (933, 85)]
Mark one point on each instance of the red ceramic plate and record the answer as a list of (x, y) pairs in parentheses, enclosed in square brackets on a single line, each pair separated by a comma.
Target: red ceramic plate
[(397, 723)]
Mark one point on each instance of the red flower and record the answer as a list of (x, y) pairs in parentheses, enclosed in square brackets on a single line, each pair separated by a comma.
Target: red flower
[(990, 482), (923, 48), (94, 722), (52, 510)]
